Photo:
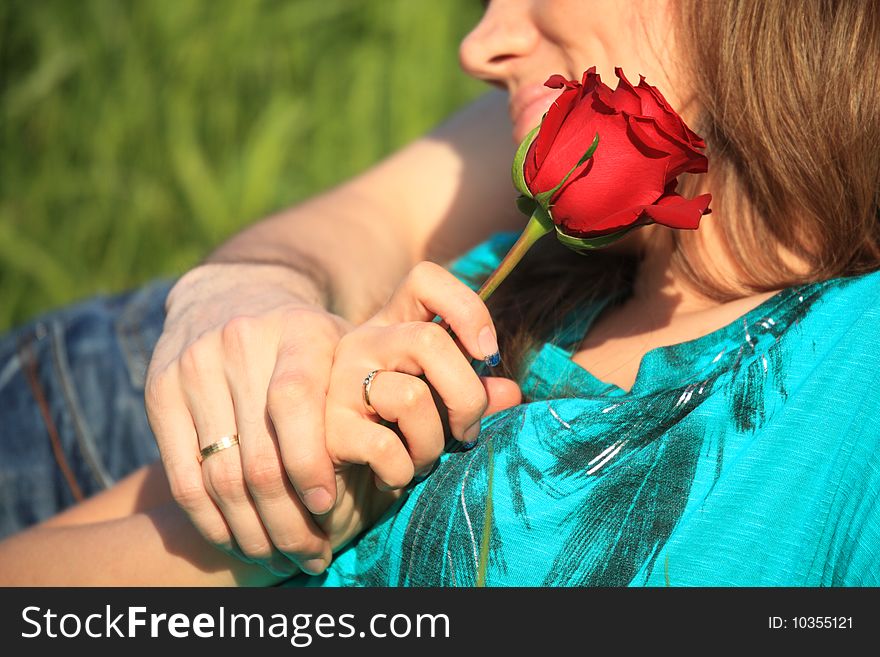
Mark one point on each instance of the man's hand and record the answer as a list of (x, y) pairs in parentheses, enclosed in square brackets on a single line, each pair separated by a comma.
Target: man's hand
[(247, 349)]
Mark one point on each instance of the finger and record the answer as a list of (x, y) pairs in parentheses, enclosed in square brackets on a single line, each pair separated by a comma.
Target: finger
[(296, 403), (175, 433), (287, 522), (430, 290), (210, 404), (365, 442), (408, 401), (425, 348)]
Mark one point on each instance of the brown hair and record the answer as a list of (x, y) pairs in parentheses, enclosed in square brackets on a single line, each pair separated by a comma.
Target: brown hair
[(790, 111)]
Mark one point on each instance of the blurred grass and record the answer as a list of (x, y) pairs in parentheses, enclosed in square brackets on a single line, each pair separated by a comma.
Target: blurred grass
[(136, 135)]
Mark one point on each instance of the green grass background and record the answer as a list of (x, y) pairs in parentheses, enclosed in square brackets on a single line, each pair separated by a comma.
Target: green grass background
[(136, 135)]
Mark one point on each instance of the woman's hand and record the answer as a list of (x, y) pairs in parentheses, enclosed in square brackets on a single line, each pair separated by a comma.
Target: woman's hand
[(427, 386), (246, 351)]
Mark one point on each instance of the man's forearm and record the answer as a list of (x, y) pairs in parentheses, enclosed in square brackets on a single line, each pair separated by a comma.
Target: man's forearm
[(433, 199), (340, 241), (349, 247)]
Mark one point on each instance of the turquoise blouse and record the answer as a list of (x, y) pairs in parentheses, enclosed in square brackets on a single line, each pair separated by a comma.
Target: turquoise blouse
[(747, 457)]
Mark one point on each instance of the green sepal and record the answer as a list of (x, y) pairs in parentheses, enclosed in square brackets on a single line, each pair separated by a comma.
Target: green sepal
[(544, 197), (519, 176), (526, 205), (587, 244)]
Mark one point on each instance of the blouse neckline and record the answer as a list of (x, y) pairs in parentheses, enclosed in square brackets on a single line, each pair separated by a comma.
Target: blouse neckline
[(552, 372)]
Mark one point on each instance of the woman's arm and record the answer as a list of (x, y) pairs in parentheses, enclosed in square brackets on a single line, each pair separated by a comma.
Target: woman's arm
[(130, 535), (133, 534)]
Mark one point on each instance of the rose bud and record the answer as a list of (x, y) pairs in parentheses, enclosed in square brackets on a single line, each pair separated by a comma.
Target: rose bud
[(601, 164)]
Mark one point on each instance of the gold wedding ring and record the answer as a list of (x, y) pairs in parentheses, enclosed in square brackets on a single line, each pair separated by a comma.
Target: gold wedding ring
[(224, 443), (368, 381)]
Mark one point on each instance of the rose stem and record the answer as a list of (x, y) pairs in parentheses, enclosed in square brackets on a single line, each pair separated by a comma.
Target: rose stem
[(539, 225)]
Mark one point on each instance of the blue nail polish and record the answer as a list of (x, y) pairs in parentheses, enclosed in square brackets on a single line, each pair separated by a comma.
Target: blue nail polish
[(493, 360), (470, 445), (419, 478)]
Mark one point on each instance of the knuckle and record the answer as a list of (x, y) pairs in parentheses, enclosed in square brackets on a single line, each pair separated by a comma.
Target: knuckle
[(299, 323), (238, 331), (226, 483), (195, 358), (217, 535), (413, 394), (468, 312), (386, 446), (475, 402), (264, 475), (289, 387), (296, 315), (188, 495), (429, 336), (421, 268), (422, 274), (258, 550)]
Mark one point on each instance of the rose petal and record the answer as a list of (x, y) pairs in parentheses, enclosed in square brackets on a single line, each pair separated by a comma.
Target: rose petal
[(557, 81), (603, 100), (574, 138), (678, 212), (607, 225), (669, 118), (620, 177), (625, 98), (553, 119), (683, 156), (647, 139), (674, 211), (590, 80)]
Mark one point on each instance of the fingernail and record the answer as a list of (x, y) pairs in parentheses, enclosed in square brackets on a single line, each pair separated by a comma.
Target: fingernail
[(472, 433), (489, 346), (470, 445), (421, 476), (314, 566), (318, 500)]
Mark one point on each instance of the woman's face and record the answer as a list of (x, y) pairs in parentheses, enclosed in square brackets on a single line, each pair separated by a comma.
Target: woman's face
[(518, 44)]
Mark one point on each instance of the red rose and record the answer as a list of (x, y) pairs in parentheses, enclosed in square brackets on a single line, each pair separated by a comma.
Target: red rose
[(602, 163), (630, 179)]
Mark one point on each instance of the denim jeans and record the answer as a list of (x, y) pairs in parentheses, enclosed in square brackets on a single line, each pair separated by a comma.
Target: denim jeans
[(72, 416)]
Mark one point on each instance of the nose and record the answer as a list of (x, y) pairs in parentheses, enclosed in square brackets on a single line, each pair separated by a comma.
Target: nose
[(503, 37)]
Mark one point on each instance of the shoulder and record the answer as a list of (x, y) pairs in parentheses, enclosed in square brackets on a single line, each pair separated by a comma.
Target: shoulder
[(841, 317), (839, 391), (825, 345), (849, 300)]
